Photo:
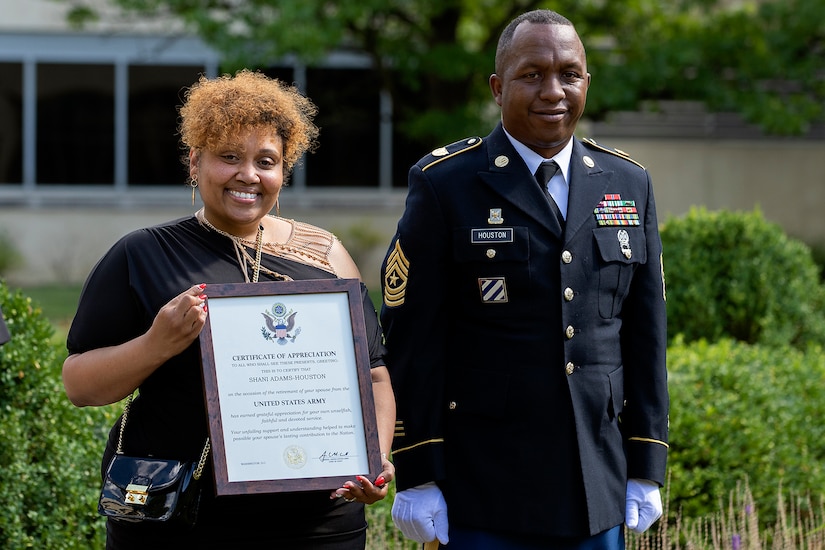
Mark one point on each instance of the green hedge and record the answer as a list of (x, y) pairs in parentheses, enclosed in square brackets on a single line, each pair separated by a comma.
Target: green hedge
[(744, 412), (733, 274), (50, 454)]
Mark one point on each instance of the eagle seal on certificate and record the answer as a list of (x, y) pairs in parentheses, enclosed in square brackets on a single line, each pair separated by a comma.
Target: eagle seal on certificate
[(280, 324)]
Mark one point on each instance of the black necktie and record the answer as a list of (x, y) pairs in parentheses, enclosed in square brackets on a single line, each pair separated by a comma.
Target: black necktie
[(545, 171)]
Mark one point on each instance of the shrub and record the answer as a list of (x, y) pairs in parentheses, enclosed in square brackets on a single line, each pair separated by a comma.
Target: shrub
[(736, 275), (50, 455), (741, 412)]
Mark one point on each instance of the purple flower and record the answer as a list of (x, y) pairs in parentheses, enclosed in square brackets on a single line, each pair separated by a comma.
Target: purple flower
[(736, 541)]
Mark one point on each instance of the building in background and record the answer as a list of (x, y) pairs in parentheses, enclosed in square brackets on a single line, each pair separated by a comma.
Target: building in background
[(111, 91), (88, 144)]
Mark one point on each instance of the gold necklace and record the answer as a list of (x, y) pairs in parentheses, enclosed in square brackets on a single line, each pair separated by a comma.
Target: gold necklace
[(240, 249), (300, 252)]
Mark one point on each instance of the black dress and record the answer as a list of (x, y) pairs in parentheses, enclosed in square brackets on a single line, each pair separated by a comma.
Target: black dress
[(120, 299)]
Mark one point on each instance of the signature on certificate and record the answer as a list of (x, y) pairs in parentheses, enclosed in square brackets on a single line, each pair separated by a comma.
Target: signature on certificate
[(334, 456)]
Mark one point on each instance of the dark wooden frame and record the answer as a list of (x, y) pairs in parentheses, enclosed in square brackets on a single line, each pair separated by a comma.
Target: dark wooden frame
[(362, 364)]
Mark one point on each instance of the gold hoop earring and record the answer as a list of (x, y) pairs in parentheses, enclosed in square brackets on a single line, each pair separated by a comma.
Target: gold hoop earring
[(193, 183)]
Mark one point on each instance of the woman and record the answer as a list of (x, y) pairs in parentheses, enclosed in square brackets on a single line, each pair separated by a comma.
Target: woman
[(144, 305)]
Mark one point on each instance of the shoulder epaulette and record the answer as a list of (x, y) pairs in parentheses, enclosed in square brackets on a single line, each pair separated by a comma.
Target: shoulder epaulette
[(621, 154), (449, 151)]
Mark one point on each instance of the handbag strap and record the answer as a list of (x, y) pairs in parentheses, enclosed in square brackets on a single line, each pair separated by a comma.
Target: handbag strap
[(204, 454)]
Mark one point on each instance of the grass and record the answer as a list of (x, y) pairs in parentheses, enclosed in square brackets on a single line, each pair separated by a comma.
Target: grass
[(801, 525)]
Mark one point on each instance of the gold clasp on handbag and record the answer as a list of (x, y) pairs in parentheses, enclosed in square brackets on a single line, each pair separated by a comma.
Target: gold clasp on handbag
[(136, 494)]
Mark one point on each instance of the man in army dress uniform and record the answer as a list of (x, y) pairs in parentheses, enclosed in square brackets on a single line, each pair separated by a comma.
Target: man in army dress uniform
[(525, 322)]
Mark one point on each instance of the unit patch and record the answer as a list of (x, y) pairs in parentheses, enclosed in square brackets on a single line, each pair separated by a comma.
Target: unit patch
[(615, 211), (493, 290), (395, 277), (484, 235), (495, 217)]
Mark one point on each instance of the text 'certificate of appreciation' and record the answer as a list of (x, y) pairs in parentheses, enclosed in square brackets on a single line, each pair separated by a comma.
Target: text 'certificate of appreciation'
[(286, 382)]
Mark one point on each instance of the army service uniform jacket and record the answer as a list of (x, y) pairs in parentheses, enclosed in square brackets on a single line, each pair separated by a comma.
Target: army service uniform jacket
[(528, 359)]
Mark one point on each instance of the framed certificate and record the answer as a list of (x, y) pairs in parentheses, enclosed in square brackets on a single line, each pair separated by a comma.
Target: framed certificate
[(286, 376)]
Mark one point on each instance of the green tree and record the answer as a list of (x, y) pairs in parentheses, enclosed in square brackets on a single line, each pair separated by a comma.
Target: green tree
[(763, 58)]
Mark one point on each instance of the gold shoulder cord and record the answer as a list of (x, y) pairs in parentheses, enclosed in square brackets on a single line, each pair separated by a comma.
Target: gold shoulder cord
[(614, 152)]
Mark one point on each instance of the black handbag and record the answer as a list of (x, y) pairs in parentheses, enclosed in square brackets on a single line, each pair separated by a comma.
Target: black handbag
[(151, 489)]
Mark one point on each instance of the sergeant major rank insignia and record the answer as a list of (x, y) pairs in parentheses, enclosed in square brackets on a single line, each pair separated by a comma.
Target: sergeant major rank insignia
[(395, 277)]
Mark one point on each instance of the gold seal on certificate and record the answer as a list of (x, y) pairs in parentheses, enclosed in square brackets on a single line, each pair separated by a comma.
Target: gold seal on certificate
[(295, 457), (288, 413)]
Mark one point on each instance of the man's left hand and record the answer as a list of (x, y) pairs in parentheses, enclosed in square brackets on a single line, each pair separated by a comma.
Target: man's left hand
[(643, 504)]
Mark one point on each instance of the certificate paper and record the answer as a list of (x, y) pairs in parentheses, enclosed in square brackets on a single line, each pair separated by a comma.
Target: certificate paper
[(287, 383)]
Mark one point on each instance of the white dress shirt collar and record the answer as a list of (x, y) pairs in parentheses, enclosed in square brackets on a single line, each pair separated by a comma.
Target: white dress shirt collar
[(533, 159)]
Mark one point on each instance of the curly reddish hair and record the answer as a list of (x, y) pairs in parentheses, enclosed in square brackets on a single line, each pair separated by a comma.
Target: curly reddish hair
[(218, 111)]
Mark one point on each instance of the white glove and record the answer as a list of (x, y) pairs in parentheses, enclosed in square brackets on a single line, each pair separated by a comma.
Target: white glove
[(643, 504), (421, 513)]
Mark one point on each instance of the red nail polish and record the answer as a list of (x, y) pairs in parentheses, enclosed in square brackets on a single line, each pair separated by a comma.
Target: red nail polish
[(202, 296), (379, 481), (202, 286)]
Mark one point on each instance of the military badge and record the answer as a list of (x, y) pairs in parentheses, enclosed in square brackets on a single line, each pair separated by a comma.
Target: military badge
[(493, 290), (395, 277), (495, 217), (624, 243), (612, 210)]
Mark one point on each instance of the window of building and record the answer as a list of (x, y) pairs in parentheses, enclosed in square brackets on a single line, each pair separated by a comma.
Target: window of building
[(11, 122), (75, 124), (155, 93), (349, 117)]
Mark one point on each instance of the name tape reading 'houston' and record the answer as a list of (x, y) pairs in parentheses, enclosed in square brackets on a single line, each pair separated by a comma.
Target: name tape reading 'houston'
[(486, 235)]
